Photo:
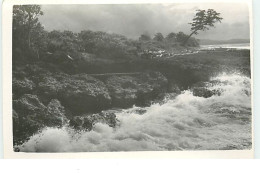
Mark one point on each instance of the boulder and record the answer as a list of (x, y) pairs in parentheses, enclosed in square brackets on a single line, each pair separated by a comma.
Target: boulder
[(50, 86), (173, 88), (87, 121), (26, 111), (128, 90), (123, 90), (56, 113), (83, 93), (202, 89), (22, 86), (137, 110), (202, 92), (28, 104), (31, 115), (79, 93), (108, 117), (82, 122)]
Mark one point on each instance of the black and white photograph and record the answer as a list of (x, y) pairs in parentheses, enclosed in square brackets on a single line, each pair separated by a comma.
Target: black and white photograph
[(131, 77)]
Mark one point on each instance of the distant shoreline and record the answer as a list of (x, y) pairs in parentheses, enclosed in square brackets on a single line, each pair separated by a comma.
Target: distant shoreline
[(230, 41), (227, 45)]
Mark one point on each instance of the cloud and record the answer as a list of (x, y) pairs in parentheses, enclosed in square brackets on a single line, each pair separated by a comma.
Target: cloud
[(135, 19)]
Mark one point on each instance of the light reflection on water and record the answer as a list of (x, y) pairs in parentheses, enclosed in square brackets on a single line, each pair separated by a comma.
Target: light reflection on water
[(231, 46)]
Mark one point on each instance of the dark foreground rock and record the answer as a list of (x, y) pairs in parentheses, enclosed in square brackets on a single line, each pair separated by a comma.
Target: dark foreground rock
[(22, 86), (202, 89), (79, 93), (126, 91), (87, 121), (31, 115), (44, 98), (202, 92), (83, 93)]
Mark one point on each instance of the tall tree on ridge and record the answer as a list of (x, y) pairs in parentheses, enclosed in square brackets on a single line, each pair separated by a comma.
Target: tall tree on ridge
[(202, 21)]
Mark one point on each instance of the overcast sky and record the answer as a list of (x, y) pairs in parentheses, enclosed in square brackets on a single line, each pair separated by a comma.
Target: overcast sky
[(133, 20)]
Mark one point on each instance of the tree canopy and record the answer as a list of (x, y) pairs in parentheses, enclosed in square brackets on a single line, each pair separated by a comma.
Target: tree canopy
[(203, 20), (25, 21), (145, 37), (158, 37)]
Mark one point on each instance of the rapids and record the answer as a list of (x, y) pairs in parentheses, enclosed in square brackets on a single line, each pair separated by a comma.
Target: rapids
[(184, 122)]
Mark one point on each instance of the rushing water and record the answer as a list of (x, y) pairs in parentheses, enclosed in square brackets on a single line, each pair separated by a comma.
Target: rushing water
[(184, 122)]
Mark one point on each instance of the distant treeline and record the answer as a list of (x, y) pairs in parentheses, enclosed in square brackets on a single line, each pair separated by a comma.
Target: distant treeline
[(31, 40)]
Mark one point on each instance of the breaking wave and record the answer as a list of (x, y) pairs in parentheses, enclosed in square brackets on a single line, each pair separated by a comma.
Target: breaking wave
[(184, 122)]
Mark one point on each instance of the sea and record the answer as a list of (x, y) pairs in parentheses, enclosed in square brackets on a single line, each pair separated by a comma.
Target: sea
[(230, 46)]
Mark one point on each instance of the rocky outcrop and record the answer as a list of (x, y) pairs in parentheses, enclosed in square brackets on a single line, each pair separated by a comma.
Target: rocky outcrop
[(31, 115), (202, 92), (28, 104), (56, 113), (53, 98), (22, 86), (203, 89), (49, 86), (126, 91), (87, 121), (80, 93)]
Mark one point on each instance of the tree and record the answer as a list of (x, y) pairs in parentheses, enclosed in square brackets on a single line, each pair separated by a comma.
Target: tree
[(171, 36), (202, 21), (181, 37), (145, 37), (25, 21), (158, 37)]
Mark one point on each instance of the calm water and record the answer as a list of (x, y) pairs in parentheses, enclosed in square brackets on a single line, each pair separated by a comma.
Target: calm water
[(233, 46)]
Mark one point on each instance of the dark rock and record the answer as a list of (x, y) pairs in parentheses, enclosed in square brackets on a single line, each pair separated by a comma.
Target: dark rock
[(80, 93), (87, 121), (28, 104), (83, 93), (129, 90), (31, 115), (123, 90), (22, 86), (50, 86), (56, 113), (108, 117), (137, 110), (173, 88), (26, 111), (15, 124), (201, 89), (202, 92), (77, 122)]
